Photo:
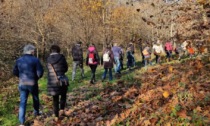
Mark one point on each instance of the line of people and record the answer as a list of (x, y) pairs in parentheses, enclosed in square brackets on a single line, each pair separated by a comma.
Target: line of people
[(112, 57), (29, 70), (167, 51)]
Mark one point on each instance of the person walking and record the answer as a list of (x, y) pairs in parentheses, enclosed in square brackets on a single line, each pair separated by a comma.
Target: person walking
[(108, 62), (132, 49), (92, 60), (158, 51), (147, 54), (77, 54), (57, 67), (129, 56), (29, 70), (121, 57), (168, 50), (117, 52)]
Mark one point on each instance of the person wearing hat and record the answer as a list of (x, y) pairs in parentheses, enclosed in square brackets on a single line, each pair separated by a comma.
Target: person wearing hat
[(29, 70)]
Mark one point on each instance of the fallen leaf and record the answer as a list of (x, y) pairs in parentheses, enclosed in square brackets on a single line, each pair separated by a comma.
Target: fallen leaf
[(182, 114), (147, 123), (198, 109), (165, 94)]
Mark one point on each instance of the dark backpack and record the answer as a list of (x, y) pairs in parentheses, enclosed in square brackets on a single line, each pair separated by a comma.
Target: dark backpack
[(77, 53)]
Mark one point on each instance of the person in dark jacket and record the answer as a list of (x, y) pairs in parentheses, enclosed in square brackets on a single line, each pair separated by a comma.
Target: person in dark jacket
[(121, 57), (29, 70), (77, 55), (130, 58), (92, 60), (108, 62), (132, 49), (57, 67)]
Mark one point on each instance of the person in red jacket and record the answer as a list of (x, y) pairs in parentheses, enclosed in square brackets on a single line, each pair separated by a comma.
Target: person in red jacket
[(92, 60), (168, 49)]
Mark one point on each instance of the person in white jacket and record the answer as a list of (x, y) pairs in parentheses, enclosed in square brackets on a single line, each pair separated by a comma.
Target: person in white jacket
[(184, 46), (158, 51)]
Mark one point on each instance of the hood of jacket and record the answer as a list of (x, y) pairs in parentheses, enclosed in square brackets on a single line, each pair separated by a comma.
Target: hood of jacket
[(91, 49), (54, 58)]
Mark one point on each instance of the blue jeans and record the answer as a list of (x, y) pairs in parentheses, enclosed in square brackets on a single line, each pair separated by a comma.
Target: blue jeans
[(117, 67), (105, 72), (24, 92)]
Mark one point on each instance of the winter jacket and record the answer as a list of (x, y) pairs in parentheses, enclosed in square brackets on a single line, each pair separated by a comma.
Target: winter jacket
[(129, 56), (93, 50), (77, 53), (58, 61), (111, 62), (116, 51), (158, 49), (168, 46), (29, 69)]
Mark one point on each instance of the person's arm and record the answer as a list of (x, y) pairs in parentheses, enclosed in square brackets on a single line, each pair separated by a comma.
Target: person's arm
[(102, 61), (97, 57), (39, 69), (65, 64), (15, 70), (87, 58)]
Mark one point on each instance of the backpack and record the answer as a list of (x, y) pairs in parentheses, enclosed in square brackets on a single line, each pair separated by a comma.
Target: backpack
[(91, 58), (106, 57), (145, 52), (77, 53)]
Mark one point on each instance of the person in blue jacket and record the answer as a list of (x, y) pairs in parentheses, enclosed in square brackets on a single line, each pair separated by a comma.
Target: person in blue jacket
[(29, 70)]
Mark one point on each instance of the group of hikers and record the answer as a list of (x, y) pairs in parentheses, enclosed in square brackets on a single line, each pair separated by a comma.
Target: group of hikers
[(112, 57), (29, 70), (169, 50)]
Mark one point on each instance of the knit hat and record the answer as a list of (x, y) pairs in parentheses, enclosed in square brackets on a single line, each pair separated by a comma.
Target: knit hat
[(28, 49)]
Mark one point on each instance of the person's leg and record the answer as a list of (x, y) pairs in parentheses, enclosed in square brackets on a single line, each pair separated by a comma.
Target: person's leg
[(81, 69), (159, 58), (110, 74), (121, 64), (92, 73), (23, 102), (35, 96), (118, 65), (74, 70), (56, 105), (133, 60), (145, 62), (115, 66), (63, 98), (104, 74), (156, 58)]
